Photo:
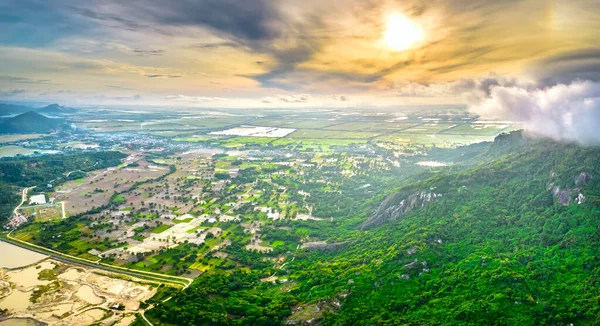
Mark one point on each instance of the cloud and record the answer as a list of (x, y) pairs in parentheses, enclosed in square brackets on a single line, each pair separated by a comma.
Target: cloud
[(582, 64), (342, 98), (472, 90), (562, 102), (564, 112), (305, 98), (104, 98), (215, 45), (249, 20), (23, 80), (294, 98), (110, 18), (148, 53), (12, 92), (185, 98), (162, 76), (119, 87)]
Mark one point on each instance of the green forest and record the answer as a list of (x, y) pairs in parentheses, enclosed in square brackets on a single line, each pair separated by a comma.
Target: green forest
[(498, 247)]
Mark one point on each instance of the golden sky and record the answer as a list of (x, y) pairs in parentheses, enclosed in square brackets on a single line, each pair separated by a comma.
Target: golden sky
[(260, 53)]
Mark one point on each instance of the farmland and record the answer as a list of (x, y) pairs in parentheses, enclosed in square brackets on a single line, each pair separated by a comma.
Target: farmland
[(234, 190), (221, 195)]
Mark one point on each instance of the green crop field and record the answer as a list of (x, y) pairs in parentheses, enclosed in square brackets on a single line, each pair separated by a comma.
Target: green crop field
[(330, 134), (161, 228), (479, 129), (429, 128), (295, 124)]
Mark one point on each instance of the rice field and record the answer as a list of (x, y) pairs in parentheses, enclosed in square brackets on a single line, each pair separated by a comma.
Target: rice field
[(331, 134)]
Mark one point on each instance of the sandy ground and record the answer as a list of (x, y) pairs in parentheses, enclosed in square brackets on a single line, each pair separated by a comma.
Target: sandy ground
[(69, 295), (97, 188)]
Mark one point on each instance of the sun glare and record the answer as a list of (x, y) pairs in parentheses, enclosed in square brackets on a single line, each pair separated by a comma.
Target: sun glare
[(401, 33)]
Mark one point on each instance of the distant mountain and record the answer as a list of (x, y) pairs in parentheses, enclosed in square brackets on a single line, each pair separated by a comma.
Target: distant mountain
[(31, 122), (6, 109), (56, 109)]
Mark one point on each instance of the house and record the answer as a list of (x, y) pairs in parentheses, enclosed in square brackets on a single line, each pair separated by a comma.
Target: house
[(37, 199)]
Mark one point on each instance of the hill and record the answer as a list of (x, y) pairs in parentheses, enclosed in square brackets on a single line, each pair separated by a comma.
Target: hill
[(513, 240), (31, 122), (55, 109), (6, 109)]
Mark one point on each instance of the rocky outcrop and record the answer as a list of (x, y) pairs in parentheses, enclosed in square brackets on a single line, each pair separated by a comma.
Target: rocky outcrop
[(398, 205), (566, 196), (562, 196), (322, 245), (582, 179)]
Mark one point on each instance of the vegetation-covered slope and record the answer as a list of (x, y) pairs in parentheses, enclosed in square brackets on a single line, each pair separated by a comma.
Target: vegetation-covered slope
[(31, 122), (9, 199), (498, 247)]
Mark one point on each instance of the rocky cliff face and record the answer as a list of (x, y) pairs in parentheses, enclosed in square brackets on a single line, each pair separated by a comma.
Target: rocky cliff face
[(566, 196), (398, 205)]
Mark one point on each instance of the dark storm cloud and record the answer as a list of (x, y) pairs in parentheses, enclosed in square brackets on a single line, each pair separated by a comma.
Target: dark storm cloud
[(112, 19), (287, 59), (247, 22), (583, 64), (243, 20)]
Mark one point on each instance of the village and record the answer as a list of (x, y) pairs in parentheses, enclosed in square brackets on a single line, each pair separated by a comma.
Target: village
[(178, 214)]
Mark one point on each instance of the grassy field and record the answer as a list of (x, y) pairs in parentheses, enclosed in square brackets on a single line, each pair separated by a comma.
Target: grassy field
[(14, 150), (186, 220), (316, 144), (241, 141), (429, 128), (330, 134), (296, 124), (44, 214), (371, 126), (170, 126), (161, 228), (480, 129), (13, 138)]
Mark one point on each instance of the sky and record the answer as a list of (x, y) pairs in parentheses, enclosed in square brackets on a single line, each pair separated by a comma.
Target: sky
[(310, 53)]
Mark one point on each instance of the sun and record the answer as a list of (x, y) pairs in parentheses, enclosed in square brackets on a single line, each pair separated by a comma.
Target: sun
[(401, 33)]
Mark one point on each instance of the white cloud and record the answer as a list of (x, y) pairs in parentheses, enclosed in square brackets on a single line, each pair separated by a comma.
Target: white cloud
[(305, 98), (470, 90), (565, 112), (202, 99)]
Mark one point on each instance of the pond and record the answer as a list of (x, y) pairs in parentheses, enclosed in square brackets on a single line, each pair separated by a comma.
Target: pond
[(15, 257), (21, 322)]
